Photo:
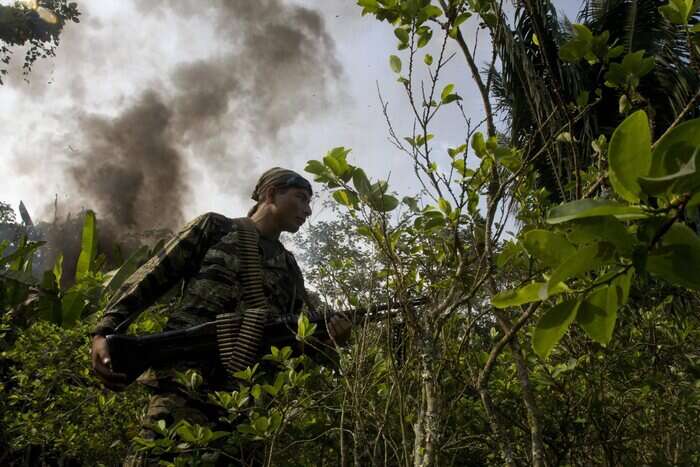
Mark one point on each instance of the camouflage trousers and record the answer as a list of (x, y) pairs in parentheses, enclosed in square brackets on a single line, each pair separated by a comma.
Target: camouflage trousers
[(173, 407)]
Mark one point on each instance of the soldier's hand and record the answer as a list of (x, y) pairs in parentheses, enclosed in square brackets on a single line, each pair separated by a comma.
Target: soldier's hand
[(102, 365), (339, 327)]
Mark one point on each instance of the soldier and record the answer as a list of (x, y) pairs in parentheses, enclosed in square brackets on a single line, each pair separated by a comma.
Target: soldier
[(206, 255)]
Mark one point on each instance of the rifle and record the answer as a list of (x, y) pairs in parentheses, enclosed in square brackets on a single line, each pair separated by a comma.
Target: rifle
[(132, 355)]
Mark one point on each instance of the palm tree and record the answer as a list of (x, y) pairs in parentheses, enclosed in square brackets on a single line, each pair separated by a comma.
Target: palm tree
[(536, 91)]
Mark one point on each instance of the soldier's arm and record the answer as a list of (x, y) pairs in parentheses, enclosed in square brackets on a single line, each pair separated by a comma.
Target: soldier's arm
[(178, 259)]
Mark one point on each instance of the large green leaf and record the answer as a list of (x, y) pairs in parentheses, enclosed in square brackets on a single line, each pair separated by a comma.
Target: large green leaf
[(88, 247), (532, 292), (677, 260), (605, 228), (383, 203), (580, 262), (345, 197), (597, 314), (675, 150), (686, 135), (685, 178), (584, 208), (549, 247), (335, 160), (552, 326), (677, 11), (361, 182), (134, 261), (622, 285), (73, 303), (629, 155)]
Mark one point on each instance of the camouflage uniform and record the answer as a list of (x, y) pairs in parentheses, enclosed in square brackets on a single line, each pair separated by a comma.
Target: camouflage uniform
[(205, 254)]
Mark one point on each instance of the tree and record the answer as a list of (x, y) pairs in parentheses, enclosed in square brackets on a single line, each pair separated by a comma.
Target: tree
[(37, 25), (7, 214), (576, 96), (581, 254)]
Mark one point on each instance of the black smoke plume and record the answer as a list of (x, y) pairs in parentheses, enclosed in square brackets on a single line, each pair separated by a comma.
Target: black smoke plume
[(277, 66)]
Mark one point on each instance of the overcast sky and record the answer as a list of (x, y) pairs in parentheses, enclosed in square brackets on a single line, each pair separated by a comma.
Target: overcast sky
[(153, 112)]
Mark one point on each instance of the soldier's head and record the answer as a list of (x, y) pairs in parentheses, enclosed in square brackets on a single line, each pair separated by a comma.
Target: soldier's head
[(283, 197)]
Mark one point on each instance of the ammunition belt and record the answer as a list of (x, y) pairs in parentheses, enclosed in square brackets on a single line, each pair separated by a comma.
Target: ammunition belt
[(238, 345)]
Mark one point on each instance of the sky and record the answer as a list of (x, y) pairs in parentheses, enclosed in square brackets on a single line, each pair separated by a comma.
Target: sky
[(153, 112)]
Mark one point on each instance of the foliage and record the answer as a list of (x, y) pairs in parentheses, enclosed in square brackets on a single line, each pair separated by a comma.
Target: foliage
[(54, 408), (36, 25), (7, 214), (555, 255)]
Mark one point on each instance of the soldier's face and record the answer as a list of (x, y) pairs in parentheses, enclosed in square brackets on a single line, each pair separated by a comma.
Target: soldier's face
[(293, 207)]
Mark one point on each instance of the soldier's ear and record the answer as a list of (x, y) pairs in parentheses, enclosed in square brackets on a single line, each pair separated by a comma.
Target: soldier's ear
[(270, 193)]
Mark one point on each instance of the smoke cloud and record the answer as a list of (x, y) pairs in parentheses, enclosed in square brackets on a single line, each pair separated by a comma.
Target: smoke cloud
[(132, 169), (275, 65)]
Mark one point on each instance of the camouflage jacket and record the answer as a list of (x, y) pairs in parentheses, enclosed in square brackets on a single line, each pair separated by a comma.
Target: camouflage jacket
[(205, 254)]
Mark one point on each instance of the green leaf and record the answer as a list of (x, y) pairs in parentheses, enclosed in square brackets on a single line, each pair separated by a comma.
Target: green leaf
[(677, 11), (335, 160), (424, 38), (677, 260), (361, 182), (579, 46), (582, 261), (607, 228), (624, 105), (73, 303), (444, 206), (479, 144), (533, 292), (627, 74), (461, 19), (446, 91), (629, 155), (402, 35), (88, 247), (686, 178), (58, 269), (383, 203), (411, 202), (370, 5), (428, 59), (453, 152), (675, 149), (395, 63), (552, 326), (584, 208), (597, 314), (549, 247), (622, 285), (451, 98), (346, 198), (564, 137), (583, 99), (127, 269), (582, 32), (432, 11), (461, 167), (315, 167)]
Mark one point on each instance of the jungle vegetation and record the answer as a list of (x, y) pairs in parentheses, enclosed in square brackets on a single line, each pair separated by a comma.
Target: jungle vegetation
[(555, 243)]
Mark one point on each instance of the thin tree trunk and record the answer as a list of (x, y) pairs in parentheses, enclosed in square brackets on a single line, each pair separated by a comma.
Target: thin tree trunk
[(533, 413), (427, 427), (501, 433)]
